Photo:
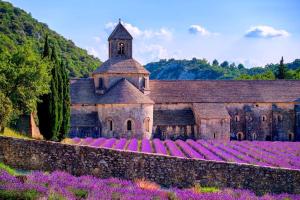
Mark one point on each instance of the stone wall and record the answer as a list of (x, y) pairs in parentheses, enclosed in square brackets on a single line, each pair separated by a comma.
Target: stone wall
[(165, 170)]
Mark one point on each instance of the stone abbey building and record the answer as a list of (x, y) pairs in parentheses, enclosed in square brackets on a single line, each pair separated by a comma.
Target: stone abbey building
[(120, 101)]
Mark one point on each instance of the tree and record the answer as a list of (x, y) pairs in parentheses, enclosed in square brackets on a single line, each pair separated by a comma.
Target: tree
[(224, 64), (54, 111), (46, 51), (282, 70), (215, 62), (5, 111), (65, 127), (24, 77), (241, 66)]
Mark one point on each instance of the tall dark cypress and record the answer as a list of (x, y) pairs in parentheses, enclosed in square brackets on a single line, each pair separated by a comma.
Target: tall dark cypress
[(282, 71), (46, 52), (65, 127), (54, 98), (43, 110)]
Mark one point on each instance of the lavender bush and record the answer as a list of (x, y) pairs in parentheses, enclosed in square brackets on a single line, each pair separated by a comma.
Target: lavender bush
[(61, 185)]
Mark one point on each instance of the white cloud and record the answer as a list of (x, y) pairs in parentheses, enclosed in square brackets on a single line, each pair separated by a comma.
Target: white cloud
[(162, 33), (197, 29), (93, 51), (265, 32)]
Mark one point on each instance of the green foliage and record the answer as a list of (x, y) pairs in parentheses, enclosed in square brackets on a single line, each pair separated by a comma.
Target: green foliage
[(18, 195), (54, 110), (282, 70), (23, 78), (17, 27), (8, 169), (269, 75), (196, 69), (5, 111), (80, 194)]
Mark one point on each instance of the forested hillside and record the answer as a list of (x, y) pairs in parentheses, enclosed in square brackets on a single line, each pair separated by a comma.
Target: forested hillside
[(201, 69), (18, 27)]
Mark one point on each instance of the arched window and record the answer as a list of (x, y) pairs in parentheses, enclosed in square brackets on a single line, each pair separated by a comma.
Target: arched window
[(129, 125), (147, 124), (291, 137), (121, 48), (264, 118), (214, 135), (237, 118), (110, 124)]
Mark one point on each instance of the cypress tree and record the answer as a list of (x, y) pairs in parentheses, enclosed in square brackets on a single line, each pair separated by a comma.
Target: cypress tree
[(46, 52), (282, 71), (54, 98), (65, 127), (43, 110)]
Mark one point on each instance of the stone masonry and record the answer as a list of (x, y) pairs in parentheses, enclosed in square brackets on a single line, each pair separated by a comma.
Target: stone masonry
[(165, 170)]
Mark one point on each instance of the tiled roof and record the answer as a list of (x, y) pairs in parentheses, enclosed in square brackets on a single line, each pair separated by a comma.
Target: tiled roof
[(210, 111), (224, 91), (124, 92), (120, 32), (121, 65), (173, 117), (84, 119), (83, 92)]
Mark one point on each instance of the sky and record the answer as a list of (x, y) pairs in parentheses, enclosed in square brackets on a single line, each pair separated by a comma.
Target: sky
[(251, 32)]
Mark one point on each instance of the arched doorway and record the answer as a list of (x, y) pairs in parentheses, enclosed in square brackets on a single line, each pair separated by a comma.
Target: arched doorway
[(240, 136)]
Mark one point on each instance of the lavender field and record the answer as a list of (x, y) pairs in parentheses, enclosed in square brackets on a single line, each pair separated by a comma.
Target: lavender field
[(63, 186), (275, 154)]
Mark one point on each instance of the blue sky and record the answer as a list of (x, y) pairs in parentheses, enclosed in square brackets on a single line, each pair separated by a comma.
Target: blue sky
[(252, 32)]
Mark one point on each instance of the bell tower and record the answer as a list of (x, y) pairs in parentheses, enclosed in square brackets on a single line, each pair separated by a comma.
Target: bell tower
[(120, 43)]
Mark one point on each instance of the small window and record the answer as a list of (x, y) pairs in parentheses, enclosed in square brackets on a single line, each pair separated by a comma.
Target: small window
[(100, 83), (279, 118), (214, 135), (147, 125), (110, 124), (264, 118), (254, 136), (121, 48), (129, 125), (237, 118), (291, 137)]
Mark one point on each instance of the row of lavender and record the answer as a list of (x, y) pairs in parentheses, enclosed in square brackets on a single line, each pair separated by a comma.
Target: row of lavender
[(277, 154), (61, 185)]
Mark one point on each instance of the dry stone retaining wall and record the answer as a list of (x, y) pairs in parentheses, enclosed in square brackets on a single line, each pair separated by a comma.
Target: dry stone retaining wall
[(165, 170)]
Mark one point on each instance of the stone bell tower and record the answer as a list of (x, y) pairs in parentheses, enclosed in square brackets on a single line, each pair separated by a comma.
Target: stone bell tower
[(120, 43)]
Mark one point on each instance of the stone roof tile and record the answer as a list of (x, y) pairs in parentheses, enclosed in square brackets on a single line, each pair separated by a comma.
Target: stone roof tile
[(224, 91)]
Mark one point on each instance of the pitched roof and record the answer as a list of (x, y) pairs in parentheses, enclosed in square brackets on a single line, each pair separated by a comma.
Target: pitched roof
[(124, 92), (224, 91), (121, 65), (173, 117), (120, 32), (210, 111), (84, 119), (83, 92)]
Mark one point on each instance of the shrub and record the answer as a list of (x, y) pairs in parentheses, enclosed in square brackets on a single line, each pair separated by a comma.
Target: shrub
[(8, 169), (17, 195)]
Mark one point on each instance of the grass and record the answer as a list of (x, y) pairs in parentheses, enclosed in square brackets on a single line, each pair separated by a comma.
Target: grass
[(10, 170), (12, 133), (199, 189), (13, 195)]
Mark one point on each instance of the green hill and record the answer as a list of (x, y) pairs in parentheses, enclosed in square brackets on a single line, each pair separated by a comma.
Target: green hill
[(17, 27), (201, 69)]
